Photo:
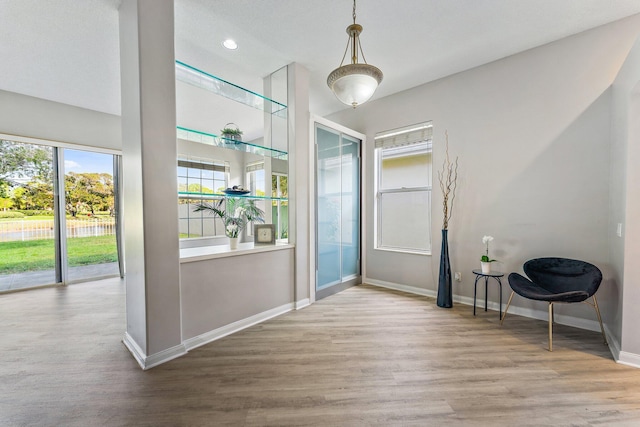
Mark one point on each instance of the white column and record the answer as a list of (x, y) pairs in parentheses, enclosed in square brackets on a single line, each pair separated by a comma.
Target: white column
[(152, 256), (299, 166)]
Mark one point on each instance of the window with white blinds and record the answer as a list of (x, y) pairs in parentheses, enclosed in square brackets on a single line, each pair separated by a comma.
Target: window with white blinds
[(200, 180), (403, 188)]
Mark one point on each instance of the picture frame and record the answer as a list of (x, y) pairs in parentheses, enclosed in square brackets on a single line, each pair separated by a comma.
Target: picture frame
[(264, 234)]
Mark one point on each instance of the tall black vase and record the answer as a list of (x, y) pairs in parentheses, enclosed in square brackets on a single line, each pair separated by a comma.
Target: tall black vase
[(445, 294)]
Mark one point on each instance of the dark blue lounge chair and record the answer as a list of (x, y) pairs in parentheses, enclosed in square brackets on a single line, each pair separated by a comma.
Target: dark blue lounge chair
[(557, 280)]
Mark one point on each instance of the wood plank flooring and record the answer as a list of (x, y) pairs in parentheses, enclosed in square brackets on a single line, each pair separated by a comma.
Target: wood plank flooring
[(364, 357)]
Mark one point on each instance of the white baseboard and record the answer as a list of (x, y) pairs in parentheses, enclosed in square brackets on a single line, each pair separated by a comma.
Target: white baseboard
[(576, 322), (622, 357), (629, 359), (148, 362), (303, 303), (591, 325), (614, 344), (399, 287), (231, 328), (134, 349)]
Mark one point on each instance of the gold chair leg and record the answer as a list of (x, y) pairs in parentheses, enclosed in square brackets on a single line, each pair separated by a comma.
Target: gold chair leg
[(595, 305), (507, 309), (550, 326)]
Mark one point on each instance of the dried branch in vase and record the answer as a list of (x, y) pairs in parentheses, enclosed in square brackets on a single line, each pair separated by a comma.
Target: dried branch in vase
[(448, 178)]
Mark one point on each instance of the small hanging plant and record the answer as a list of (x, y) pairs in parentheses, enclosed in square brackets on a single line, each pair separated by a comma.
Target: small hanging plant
[(231, 132)]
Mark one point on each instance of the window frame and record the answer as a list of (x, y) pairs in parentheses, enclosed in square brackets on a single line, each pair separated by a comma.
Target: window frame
[(279, 203), (214, 165), (409, 136), (251, 178)]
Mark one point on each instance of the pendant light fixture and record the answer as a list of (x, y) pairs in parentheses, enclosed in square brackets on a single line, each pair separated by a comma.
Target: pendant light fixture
[(354, 83)]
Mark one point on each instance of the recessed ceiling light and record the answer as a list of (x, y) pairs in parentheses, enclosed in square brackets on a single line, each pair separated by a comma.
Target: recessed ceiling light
[(230, 44)]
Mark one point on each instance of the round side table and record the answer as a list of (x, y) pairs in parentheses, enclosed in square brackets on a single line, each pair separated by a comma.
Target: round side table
[(479, 274)]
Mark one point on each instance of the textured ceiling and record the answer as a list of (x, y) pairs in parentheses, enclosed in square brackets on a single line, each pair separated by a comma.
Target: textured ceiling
[(67, 50)]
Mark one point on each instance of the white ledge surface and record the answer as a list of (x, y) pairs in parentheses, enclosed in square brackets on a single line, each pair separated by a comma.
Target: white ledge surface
[(223, 251)]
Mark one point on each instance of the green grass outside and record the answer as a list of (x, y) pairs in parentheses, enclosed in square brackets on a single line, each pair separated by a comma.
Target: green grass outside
[(18, 257)]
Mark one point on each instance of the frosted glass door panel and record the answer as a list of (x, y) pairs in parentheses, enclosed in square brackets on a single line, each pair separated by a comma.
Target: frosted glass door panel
[(338, 207), (350, 218), (328, 205)]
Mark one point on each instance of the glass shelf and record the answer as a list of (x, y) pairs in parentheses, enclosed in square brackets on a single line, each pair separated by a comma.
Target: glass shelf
[(193, 76), (222, 195), (231, 144)]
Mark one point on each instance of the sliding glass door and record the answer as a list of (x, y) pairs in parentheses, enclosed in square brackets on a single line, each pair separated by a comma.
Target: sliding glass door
[(57, 215), (337, 211), (27, 237), (90, 215)]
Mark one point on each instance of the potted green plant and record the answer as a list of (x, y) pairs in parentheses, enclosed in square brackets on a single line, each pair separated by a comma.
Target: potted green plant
[(485, 261), (235, 213), (231, 131)]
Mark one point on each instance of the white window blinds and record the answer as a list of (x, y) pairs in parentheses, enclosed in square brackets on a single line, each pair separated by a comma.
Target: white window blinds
[(194, 164), (255, 166), (404, 136)]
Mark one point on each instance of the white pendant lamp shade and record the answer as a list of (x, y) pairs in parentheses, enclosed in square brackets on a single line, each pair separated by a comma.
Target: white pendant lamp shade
[(354, 84)]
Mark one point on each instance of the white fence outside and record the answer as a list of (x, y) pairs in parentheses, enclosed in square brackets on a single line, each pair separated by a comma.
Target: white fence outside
[(24, 229)]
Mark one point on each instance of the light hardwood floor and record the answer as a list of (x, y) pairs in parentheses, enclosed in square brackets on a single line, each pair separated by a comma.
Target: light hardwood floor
[(365, 357)]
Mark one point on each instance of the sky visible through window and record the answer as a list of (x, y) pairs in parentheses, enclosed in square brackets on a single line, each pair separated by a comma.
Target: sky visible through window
[(86, 161)]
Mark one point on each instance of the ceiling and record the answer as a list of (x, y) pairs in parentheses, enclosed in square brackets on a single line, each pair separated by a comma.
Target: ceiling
[(68, 50)]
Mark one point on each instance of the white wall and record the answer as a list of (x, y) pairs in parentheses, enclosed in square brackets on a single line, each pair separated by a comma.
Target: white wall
[(625, 202), (631, 295), (152, 254), (532, 135), (31, 117), (218, 292)]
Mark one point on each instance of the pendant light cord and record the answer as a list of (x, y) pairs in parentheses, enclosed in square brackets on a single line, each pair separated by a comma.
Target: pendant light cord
[(358, 47), (354, 11)]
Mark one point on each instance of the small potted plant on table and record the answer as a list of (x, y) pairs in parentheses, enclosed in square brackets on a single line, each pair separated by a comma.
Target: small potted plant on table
[(485, 261)]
